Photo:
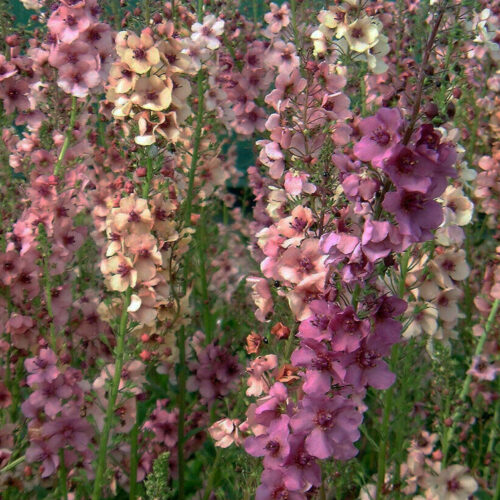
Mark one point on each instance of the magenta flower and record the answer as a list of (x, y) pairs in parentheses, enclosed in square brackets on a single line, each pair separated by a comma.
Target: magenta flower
[(321, 367), (273, 445), (416, 213), (46, 452), (408, 170), (365, 367), (273, 487), (331, 426), (316, 326), (348, 330), (301, 469), (42, 368), (380, 133)]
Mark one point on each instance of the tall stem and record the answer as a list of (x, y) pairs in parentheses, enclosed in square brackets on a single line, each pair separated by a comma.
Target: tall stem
[(113, 393), (134, 435), (67, 138), (421, 75), (182, 412), (389, 393), (448, 434), (196, 150)]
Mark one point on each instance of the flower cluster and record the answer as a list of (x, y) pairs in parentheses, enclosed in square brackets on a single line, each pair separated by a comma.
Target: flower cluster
[(347, 29)]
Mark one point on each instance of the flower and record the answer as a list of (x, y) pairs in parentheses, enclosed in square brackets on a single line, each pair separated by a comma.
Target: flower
[(452, 483), (225, 432), (120, 273), (278, 18), (153, 93), (362, 34), (139, 54), (205, 35)]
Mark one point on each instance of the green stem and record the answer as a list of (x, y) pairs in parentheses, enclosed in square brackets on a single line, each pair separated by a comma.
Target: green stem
[(448, 434), (421, 76), (134, 459), (67, 138), (196, 150), (211, 478), (113, 393), (115, 7), (13, 464), (182, 413), (381, 465), (149, 176), (63, 476), (202, 251)]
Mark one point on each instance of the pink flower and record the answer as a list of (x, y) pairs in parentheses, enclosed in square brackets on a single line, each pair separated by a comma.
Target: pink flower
[(77, 79), (14, 92), (67, 23), (225, 432), (331, 426), (278, 18), (273, 445), (256, 381), (380, 133)]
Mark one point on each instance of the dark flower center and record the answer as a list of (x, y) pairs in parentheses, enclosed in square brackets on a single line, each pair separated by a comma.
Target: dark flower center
[(133, 216), (357, 33), (325, 419), (380, 136), (273, 447), (139, 54), (412, 201), (367, 359)]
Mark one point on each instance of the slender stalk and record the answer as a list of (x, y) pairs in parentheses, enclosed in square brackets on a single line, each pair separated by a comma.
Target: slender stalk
[(421, 75), (196, 149), (115, 7), (113, 393), (181, 401), (211, 477), (448, 434), (67, 138), (389, 393), (149, 175), (13, 464), (134, 435), (63, 476), (381, 461)]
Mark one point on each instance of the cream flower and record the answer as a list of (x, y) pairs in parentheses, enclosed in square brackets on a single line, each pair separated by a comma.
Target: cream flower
[(151, 92), (362, 34), (453, 483)]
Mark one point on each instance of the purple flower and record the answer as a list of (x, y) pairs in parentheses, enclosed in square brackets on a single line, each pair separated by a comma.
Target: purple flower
[(49, 395), (273, 446), (321, 367), (45, 452), (380, 133), (348, 330), (331, 426), (416, 213), (366, 366), (271, 407), (316, 326), (408, 169), (42, 368), (68, 430), (273, 487), (216, 372), (301, 467)]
